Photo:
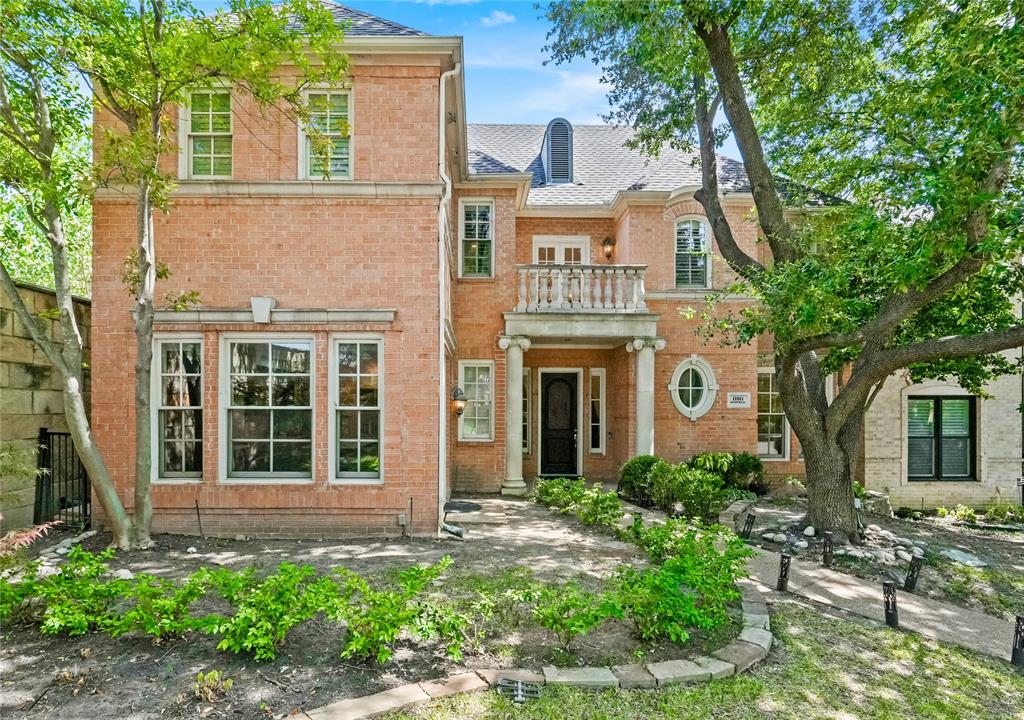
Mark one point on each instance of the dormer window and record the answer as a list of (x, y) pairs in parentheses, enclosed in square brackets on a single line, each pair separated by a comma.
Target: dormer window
[(557, 152)]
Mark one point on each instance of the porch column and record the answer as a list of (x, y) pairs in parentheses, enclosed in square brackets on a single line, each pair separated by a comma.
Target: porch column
[(645, 349), (514, 346)]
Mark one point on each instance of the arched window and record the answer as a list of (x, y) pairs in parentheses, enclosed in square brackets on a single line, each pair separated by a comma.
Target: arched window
[(693, 255), (557, 153), (693, 387)]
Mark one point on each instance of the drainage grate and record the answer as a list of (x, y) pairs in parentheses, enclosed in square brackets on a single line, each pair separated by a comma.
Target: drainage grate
[(517, 690)]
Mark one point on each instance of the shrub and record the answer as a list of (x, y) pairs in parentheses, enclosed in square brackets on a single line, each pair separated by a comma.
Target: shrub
[(699, 492), (211, 686), (961, 513), (569, 611), (859, 491), (731, 495), (599, 508), (1005, 512), (264, 610), (559, 493), (159, 607), (15, 590), (76, 600), (635, 479), (741, 470)]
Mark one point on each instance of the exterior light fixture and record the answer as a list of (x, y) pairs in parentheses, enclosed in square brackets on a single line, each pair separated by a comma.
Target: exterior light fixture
[(783, 584), (748, 525), (609, 247), (458, 400), (892, 616), (826, 549), (913, 573)]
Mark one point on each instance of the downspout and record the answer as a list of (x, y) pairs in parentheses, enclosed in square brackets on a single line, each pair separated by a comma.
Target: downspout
[(442, 283)]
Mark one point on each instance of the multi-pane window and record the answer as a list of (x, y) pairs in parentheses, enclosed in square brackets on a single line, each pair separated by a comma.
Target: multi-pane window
[(180, 409), (771, 419), (209, 134), (270, 412), (359, 409), (478, 417), (527, 395), (597, 393), (693, 388), (940, 438), (329, 116), (692, 255), (476, 233)]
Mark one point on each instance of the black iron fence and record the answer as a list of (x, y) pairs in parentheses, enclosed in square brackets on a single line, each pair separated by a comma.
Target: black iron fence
[(62, 485)]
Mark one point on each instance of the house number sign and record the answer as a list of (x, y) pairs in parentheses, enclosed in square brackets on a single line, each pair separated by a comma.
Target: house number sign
[(738, 400)]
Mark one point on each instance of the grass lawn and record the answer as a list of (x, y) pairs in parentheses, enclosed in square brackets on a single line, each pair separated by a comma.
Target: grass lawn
[(821, 667)]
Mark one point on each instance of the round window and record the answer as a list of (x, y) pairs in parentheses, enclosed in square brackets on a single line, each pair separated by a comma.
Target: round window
[(693, 387)]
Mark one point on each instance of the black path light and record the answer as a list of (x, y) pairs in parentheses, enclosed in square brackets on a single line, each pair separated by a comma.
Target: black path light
[(913, 572), (892, 617), (1017, 658), (748, 525), (783, 583), (826, 549)]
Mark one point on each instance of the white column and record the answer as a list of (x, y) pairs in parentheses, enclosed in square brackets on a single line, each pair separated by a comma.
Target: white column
[(513, 483), (645, 349)]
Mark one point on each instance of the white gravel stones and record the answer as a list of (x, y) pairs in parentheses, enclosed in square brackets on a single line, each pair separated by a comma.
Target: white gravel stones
[(809, 531), (191, 549), (780, 537), (802, 544), (904, 555), (122, 574)]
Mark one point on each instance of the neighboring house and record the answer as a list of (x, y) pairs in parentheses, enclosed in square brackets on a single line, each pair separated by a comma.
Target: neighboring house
[(30, 398), (536, 271)]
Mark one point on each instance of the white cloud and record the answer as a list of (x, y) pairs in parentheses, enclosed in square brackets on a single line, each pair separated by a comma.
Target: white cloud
[(496, 18), (578, 96)]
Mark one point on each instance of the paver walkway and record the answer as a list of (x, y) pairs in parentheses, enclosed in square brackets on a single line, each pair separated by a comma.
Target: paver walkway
[(932, 618)]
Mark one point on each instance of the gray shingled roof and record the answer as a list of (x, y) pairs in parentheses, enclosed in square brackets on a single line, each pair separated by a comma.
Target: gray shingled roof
[(602, 164), (363, 24)]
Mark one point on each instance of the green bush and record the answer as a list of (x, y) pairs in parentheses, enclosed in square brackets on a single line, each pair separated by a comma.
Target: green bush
[(159, 608), (699, 492), (603, 509), (569, 611), (77, 599), (731, 495), (1005, 512), (742, 470), (635, 479), (961, 513), (559, 493)]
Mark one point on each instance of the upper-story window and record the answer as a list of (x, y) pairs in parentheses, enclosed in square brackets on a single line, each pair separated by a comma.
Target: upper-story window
[(693, 255), (557, 152), (329, 115), (476, 238), (209, 134)]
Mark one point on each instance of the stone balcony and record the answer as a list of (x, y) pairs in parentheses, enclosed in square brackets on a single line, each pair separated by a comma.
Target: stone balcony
[(581, 289)]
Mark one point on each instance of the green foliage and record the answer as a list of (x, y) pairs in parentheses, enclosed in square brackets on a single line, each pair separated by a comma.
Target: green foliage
[(961, 513), (159, 608), (569, 611), (78, 599), (559, 493), (211, 686), (1005, 512), (731, 495), (15, 590), (741, 470), (603, 509), (698, 492), (635, 479), (859, 491)]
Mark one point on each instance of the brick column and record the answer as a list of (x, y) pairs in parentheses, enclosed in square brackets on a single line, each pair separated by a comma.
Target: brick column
[(514, 347)]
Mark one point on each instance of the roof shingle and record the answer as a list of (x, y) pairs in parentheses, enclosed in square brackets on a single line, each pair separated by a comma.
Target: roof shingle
[(364, 24)]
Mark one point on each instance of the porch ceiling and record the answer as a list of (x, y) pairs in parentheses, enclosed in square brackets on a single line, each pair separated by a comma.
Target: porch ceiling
[(609, 328)]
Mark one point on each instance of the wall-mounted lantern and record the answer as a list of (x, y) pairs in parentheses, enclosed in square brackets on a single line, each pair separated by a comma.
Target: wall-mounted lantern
[(458, 400), (609, 247)]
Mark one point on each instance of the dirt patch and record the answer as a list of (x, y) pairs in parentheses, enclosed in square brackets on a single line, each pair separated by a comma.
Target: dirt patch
[(95, 676)]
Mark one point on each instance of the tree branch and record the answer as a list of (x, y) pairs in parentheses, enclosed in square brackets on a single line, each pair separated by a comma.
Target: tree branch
[(28, 320)]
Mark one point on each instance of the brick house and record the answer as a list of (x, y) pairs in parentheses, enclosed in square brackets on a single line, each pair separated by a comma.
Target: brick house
[(530, 276)]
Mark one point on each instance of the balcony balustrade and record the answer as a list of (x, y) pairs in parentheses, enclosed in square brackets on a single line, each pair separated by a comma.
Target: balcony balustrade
[(582, 288)]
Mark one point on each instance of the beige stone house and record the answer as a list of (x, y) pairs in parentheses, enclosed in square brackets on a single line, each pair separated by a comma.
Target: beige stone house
[(452, 307)]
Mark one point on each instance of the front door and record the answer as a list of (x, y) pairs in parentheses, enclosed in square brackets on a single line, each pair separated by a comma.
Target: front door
[(558, 425)]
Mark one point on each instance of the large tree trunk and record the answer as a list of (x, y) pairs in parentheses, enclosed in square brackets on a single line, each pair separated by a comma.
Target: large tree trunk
[(143, 512), (829, 468)]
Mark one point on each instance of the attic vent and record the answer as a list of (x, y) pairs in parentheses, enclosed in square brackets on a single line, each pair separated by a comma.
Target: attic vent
[(557, 152)]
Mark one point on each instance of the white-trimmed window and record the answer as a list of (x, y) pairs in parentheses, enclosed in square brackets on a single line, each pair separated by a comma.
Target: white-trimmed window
[(209, 134), (269, 407), (178, 382), (527, 396), (329, 115), (772, 429), (693, 256), (477, 380), (597, 410), (693, 387), (476, 238), (358, 408)]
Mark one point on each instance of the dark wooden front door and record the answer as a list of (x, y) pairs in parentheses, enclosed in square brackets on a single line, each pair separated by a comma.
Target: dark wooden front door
[(558, 424)]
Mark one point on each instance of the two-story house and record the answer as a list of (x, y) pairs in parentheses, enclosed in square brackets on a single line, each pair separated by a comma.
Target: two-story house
[(454, 307)]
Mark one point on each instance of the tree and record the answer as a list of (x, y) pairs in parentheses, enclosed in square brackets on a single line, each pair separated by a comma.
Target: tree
[(911, 111), (43, 177)]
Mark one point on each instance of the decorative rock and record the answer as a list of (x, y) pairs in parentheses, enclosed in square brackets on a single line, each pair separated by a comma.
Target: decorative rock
[(191, 549), (757, 636), (61, 550), (888, 557), (904, 541), (241, 537), (904, 555), (768, 536), (874, 528), (584, 677), (633, 676), (741, 654), (780, 537), (964, 558), (454, 684), (809, 531), (491, 677), (397, 698), (45, 571), (718, 668), (921, 543), (123, 574), (917, 552), (674, 672), (839, 551), (802, 544)]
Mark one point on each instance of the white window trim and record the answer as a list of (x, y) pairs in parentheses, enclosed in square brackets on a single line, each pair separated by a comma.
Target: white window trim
[(708, 283), (332, 408), (463, 201), (711, 391), (155, 392), (598, 373), (560, 242), (527, 407), (223, 400), (303, 164), (185, 132), (463, 364), (786, 430)]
